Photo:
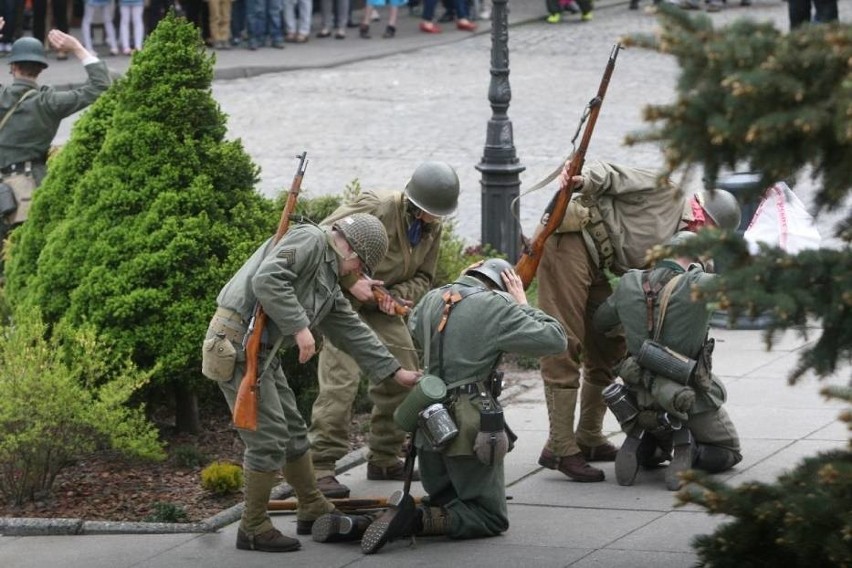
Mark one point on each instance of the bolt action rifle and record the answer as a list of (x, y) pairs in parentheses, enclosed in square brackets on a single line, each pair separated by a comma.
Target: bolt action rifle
[(401, 307), (555, 211), (245, 406)]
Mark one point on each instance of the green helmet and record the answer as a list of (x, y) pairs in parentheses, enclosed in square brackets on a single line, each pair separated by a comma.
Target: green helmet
[(679, 238), (434, 188), (28, 49), (491, 270), (367, 237), (722, 207)]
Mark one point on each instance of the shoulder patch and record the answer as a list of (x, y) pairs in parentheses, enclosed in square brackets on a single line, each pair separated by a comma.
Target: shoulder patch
[(287, 255)]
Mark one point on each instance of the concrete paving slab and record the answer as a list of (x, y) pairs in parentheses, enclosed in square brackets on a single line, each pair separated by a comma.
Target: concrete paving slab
[(607, 558), (788, 457), (672, 532), (770, 422)]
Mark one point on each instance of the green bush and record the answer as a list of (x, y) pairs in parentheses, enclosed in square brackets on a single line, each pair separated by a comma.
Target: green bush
[(62, 398), (188, 455), (222, 478), (154, 218), (167, 513)]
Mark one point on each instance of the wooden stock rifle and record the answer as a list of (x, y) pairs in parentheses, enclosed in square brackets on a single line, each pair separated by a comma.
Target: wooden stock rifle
[(245, 406), (555, 211), (401, 307), (345, 505)]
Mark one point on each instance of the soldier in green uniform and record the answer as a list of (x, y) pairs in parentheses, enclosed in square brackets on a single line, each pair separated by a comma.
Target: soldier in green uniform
[(657, 304), (466, 326), (617, 214), (31, 114), (296, 284), (412, 220)]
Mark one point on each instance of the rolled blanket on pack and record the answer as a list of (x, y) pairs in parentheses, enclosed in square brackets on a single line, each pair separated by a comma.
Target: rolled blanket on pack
[(675, 398)]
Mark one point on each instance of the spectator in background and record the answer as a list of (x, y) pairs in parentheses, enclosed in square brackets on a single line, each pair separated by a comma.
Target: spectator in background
[(393, 15), (9, 11), (334, 20), (238, 21), (131, 13), (107, 10), (428, 25), (220, 23), (264, 20), (60, 20), (297, 20), (800, 12)]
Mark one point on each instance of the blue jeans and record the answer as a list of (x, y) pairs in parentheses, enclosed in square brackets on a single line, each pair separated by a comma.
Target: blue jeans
[(238, 20), (264, 19)]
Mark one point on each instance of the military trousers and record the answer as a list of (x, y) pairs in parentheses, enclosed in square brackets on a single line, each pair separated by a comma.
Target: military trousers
[(571, 288), (339, 377), (473, 494), (281, 434)]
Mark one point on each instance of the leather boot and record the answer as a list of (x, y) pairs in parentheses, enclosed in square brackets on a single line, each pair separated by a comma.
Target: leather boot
[(684, 455), (329, 486), (299, 473), (340, 527), (562, 452), (256, 531), (397, 521), (433, 521), (627, 461)]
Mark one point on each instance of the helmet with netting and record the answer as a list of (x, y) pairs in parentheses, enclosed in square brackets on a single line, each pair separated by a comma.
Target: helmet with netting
[(722, 208), (491, 269), (434, 188), (28, 49), (367, 237)]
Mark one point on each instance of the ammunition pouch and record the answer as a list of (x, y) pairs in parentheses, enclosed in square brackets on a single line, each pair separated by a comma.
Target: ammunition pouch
[(661, 360)]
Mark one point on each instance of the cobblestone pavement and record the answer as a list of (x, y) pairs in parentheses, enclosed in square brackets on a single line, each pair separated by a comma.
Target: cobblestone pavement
[(375, 120)]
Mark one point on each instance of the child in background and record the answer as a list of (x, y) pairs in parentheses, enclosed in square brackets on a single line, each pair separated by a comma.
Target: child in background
[(107, 10), (220, 23), (131, 11)]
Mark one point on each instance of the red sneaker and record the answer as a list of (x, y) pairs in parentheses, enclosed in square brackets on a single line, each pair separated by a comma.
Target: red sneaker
[(429, 28), (466, 25)]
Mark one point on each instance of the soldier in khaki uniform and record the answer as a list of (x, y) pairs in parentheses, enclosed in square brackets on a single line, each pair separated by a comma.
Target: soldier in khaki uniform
[(616, 215), (707, 439), (31, 114), (296, 284), (412, 220), (468, 325)]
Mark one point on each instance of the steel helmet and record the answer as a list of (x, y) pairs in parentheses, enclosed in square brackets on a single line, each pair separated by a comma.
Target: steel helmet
[(722, 207), (679, 238), (491, 269), (28, 49), (367, 237), (434, 188)]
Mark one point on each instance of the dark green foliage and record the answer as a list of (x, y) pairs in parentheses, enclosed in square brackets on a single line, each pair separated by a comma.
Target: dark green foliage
[(780, 102), (751, 94), (802, 520), (188, 456), (156, 220), (165, 512)]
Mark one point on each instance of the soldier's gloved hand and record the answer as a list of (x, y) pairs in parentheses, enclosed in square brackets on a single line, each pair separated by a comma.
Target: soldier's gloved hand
[(491, 447)]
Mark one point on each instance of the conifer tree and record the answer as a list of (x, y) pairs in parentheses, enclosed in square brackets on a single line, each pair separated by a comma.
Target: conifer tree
[(149, 218), (749, 94)]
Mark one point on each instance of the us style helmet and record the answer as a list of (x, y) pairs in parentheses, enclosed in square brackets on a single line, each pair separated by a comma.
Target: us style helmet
[(491, 270), (722, 208), (28, 49), (367, 237), (434, 188)]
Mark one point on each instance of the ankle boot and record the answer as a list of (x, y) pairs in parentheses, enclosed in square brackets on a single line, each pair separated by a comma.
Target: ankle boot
[(256, 531), (340, 527), (398, 520), (432, 521), (299, 473)]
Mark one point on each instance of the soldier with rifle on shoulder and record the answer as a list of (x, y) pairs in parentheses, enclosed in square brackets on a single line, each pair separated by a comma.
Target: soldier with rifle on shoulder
[(296, 283)]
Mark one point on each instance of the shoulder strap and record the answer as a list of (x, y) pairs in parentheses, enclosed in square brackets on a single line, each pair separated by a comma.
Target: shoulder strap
[(651, 294), (15, 107), (452, 297), (665, 296)]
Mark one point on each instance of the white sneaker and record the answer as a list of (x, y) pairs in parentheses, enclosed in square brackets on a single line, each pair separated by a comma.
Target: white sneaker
[(485, 14)]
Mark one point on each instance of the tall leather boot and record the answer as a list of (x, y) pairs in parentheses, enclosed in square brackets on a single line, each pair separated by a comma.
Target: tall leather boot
[(299, 473), (256, 531), (561, 452), (590, 438)]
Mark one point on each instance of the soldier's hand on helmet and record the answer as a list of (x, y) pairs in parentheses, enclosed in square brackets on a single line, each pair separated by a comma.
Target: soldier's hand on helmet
[(306, 343), (61, 41), (514, 286), (363, 288), (407, 378)]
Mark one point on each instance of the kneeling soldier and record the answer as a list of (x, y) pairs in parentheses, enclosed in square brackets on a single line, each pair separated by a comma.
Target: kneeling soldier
[(463, 328), (671, 401)]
